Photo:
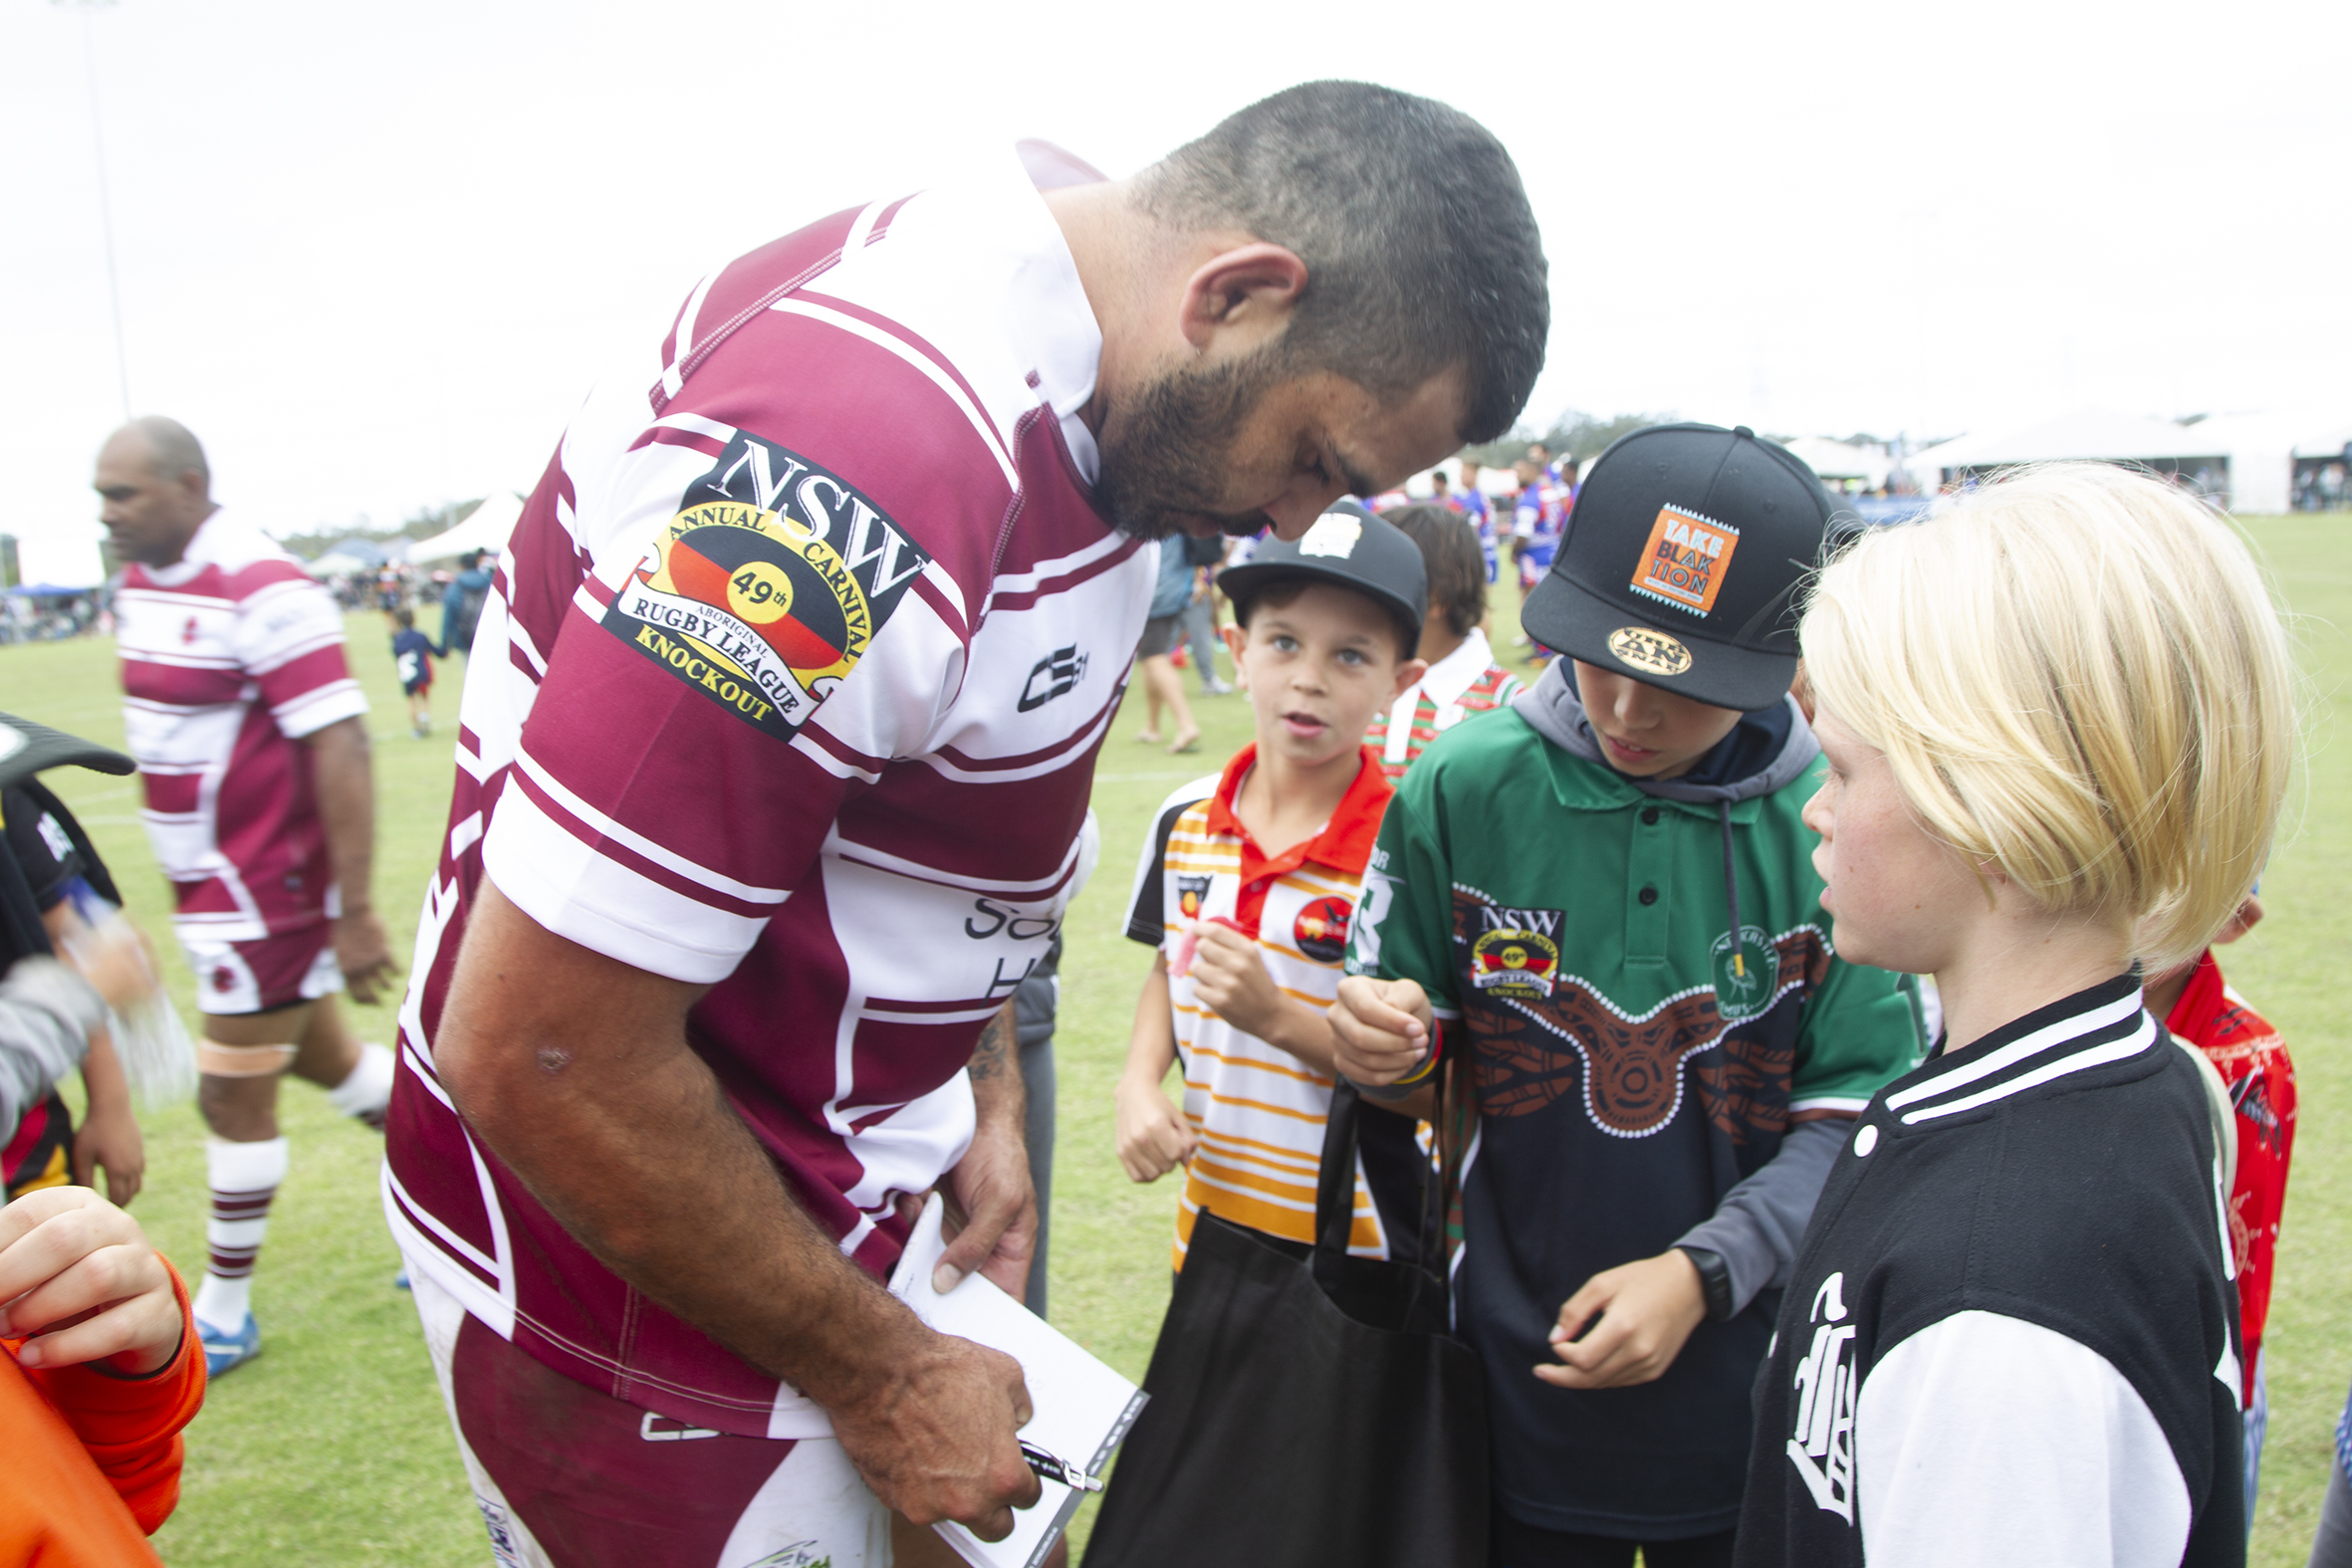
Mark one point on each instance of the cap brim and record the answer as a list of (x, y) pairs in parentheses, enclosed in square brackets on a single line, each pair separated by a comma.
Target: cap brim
[(1240, 577), (1566, 619), (27, 748)]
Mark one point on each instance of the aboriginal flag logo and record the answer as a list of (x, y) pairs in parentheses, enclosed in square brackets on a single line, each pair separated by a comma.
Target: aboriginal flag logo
[(1320, 931), (1513, 962), (768, 586), (1191, 893)]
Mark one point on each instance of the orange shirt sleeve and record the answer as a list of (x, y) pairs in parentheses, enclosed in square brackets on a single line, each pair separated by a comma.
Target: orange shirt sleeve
[(130, 1426)]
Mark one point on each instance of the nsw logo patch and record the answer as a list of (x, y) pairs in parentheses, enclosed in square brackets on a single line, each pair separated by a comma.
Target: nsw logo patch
[(768, 586), (1515, 952)]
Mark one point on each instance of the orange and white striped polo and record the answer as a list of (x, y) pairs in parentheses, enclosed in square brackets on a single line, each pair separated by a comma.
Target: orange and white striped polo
[(1258, 1111)]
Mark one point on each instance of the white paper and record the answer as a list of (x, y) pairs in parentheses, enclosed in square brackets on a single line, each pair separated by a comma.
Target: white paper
[(1083, 1408)]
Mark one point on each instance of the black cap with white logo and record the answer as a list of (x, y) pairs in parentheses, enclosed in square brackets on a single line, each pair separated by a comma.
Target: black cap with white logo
[(1348, 546), (1683, 561), (27, 748)]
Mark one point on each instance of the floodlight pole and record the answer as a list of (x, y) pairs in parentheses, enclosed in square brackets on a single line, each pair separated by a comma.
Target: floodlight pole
[(105, 205)]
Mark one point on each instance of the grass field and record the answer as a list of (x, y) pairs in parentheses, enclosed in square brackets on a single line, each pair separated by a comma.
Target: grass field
[(333, 1449)]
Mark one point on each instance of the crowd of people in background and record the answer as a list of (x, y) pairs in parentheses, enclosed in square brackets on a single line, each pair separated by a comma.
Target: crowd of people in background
[(1768, 1253)]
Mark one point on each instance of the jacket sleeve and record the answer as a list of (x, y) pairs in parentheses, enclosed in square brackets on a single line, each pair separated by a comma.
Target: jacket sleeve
[(46, 1014), (1757, 1227), (1986, 1439), (130, 1426)]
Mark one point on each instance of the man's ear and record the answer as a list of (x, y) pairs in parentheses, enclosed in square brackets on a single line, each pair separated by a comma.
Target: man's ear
[(1252, 285)]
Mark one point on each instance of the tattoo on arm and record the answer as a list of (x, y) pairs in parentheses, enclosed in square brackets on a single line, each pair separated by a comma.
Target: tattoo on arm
[(993, 1054)]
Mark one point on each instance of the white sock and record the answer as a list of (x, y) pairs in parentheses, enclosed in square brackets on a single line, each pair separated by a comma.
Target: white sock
[(244, 1177), (368, 1088)]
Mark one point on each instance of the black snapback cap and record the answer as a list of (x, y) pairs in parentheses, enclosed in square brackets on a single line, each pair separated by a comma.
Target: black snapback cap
[(27, 748), (1682, 565), (1348, 546)]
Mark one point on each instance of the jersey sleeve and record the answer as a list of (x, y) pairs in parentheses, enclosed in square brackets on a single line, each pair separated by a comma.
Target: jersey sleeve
[(720, 685), (38, 843), (1404, 923), (1147, 899), (1986, 1439), (1861, 1032), (288, 639)]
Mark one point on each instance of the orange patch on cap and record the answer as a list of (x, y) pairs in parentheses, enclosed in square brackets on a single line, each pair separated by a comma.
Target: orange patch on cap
[(1684, 562)]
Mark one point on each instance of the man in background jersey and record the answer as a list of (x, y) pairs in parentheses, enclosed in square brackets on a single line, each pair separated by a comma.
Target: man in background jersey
[(261, 806), (771, 793)]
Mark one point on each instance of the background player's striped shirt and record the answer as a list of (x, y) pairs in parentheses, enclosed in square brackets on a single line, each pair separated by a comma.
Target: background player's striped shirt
[(1464, 682), (1258, 1111), (230, 656), (789, 684)]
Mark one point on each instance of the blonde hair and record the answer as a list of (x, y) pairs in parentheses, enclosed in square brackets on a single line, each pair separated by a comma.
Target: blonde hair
[(2077, 674)]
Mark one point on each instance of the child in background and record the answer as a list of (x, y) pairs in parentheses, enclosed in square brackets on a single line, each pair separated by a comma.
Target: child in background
[(2060, 718), (1247, 888), (1461, 677), (1607, 896), (2203, 1010), (412, 655)]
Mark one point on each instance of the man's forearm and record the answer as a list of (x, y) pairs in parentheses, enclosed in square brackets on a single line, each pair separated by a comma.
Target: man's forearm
[(999, 1096), (344, 784), (574, 1071)]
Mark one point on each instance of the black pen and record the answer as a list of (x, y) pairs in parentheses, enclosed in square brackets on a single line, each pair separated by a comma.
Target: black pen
[(1052, 1468)]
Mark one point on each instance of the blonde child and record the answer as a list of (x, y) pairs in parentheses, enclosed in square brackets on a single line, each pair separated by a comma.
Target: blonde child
[(2058, 718)]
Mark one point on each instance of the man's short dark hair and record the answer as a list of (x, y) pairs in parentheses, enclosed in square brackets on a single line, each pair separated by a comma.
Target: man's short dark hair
[(173, 450), (1421, 250), (1450, 553)]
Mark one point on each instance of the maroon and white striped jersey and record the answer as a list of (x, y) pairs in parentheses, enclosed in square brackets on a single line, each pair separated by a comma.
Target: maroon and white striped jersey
[(230, 656), (789, 684)]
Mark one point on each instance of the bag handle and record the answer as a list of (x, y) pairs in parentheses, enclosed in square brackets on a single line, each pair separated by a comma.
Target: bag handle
[(1334, 1188)]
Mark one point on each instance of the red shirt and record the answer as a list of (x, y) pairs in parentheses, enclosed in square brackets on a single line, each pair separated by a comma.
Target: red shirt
[(94, 1460), (2252, 1061)]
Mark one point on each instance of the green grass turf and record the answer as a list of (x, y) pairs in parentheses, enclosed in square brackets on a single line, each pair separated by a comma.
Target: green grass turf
[(333, 1446)]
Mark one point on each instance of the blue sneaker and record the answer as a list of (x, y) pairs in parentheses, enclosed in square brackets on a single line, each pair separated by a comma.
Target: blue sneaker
[(400, 1280), (223, 1352)]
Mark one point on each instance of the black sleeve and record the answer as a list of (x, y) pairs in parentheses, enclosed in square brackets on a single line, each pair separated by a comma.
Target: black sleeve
[(40, 845), (1148, 905)]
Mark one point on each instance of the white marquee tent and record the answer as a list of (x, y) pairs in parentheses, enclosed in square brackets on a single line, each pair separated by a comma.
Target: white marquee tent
[(486, 527)]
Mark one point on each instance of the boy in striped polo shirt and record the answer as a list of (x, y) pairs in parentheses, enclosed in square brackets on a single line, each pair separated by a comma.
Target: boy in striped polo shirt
[(1461, 678), (1248, 886)]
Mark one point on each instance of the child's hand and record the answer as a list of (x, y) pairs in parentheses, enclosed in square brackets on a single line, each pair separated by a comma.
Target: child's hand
[(1153, 1137), (115, 957), (77, 1272), (1381, 1029), (1646, 1310), (1229, 979)]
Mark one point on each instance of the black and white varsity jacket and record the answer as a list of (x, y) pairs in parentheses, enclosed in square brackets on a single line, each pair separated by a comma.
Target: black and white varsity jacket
[(2012, 1333)]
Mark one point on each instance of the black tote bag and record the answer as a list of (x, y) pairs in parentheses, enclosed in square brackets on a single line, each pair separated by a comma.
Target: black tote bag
[(1306, 1414)]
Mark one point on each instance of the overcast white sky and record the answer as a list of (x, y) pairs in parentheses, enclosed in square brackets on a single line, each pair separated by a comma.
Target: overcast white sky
[(375, 255)]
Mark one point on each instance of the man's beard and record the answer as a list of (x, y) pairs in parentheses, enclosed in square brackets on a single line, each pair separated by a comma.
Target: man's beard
[(1166, 454)]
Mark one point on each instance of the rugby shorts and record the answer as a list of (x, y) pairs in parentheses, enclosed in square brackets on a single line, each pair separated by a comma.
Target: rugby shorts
[(567, 1476), (261, 976)]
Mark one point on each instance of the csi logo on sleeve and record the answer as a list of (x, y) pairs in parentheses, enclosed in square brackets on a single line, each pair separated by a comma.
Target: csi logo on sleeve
[(768, 586)]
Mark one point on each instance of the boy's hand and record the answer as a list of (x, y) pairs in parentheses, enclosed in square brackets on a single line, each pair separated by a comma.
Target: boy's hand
[(1153, 1135), (109, 1139), (1229, 979), (1646, 1310), (1381, 1029), (77, 1272)]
